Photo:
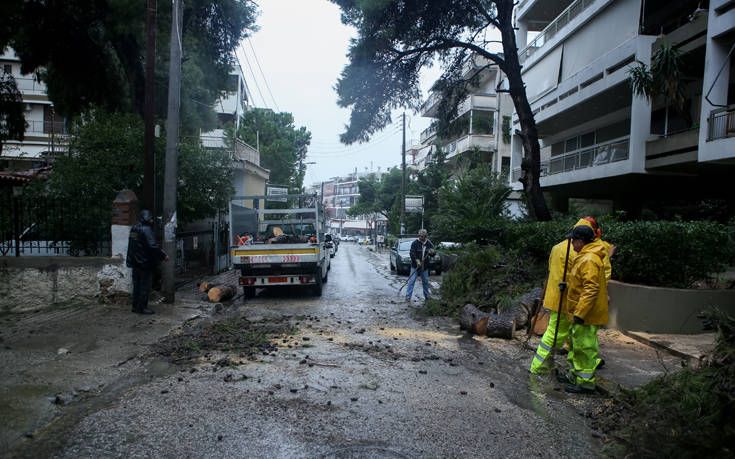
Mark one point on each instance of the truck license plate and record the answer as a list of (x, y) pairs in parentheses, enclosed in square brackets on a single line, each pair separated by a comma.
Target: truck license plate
[(274, 280)]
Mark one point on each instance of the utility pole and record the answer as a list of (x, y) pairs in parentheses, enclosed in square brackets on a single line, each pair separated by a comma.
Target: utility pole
[(149, 170), (403, 180), (172, 147)]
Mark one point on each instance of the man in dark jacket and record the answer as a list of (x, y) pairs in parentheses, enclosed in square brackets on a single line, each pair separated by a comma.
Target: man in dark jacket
[(421, 250), (143, 255)]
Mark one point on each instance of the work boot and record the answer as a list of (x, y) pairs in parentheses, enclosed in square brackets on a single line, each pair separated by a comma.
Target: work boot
[(577, 389), (145, 311), (561, 377)]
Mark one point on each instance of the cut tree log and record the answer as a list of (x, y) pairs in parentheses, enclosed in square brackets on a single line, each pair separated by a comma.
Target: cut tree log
[(221, 293), (204, 286), (483, 323)]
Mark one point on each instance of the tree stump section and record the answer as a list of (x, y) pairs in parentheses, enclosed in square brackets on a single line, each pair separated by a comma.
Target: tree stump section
[(205, 286), (483, 323), (222, 293)]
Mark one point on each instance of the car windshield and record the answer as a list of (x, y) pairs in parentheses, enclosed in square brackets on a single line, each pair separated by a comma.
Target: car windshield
[(405, 245)]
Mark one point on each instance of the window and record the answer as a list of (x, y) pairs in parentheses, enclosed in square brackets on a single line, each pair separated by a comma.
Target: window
[(571, 144), (7, 68)]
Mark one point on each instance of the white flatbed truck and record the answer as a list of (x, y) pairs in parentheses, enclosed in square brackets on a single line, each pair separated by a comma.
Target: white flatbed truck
[(278, 242)]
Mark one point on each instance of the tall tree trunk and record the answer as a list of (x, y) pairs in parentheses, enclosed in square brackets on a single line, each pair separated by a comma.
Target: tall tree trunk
[(531, 162)]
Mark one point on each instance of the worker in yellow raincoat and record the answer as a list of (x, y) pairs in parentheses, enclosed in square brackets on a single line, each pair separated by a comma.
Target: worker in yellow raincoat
[(541, 364), (587, 308)]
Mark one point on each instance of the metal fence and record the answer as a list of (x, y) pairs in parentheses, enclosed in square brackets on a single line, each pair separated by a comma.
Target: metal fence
[(721, 123), (571, 12), (46, 227), (596, 155)]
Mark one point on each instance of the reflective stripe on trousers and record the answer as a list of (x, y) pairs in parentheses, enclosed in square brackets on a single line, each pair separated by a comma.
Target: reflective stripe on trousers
[(584, 353), (539, 364)]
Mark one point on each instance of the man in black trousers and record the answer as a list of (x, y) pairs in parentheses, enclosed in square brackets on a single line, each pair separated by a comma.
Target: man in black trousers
[(144, 254)]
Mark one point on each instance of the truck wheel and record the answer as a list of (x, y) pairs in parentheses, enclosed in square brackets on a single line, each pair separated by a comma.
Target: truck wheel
[(319, 284), (392, 268), (326, 277), (249, 292)]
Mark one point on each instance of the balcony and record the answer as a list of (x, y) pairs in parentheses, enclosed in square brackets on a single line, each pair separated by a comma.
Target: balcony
[(472, 102), (45, 127), (30, 86), (721, 123), (469, 142), (428, 133), (553, 28), (595, 155)]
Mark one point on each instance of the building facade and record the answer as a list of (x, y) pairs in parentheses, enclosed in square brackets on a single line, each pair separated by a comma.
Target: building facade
[(482, 119), (599, 140), (45, 134)]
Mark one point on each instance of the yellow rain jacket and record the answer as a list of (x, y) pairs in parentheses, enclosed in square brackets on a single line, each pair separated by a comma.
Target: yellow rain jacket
[(587, 286), (556, 273), (605, 261)]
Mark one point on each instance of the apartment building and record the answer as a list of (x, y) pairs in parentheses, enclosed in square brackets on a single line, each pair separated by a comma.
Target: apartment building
[(45, 134), (600, 141), (478, 126)]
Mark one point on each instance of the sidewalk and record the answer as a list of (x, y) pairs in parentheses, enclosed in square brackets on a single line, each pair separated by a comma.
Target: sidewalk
[(52, 358)]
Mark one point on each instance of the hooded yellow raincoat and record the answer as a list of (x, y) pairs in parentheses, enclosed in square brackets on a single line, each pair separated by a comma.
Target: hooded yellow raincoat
[(587, 286)]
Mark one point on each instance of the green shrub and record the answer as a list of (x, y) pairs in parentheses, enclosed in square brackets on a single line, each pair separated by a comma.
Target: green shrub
[(682, 414), (669, 254), (488, 277), (658, 253)]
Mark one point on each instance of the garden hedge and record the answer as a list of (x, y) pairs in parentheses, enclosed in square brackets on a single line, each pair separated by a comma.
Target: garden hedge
[(657, 253)]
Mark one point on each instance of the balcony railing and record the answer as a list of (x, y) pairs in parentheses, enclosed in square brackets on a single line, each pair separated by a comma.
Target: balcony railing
[(30, 86), (428, 133), (46, 127), (553, 28), (721, 123), (596, 155)]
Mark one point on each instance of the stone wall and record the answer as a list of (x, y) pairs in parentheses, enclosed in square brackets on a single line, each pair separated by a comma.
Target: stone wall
[(32, 283)]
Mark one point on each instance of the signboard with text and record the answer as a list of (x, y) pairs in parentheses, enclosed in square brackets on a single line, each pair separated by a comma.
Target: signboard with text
[(275, 191), (414, 203)]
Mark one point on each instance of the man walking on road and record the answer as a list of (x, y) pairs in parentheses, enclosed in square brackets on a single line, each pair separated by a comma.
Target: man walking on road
[(421, 249), (144, 254)]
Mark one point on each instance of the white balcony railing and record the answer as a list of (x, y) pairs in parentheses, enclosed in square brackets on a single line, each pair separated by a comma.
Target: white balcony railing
[(30, 86), (595, 155), (469, 142), (566, 16), (721, 123)]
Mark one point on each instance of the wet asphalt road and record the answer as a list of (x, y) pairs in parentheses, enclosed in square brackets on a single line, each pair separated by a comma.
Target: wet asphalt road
[(370, 380)]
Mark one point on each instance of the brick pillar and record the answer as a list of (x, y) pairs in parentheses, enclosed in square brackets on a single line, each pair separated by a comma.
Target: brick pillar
[(124, 216)]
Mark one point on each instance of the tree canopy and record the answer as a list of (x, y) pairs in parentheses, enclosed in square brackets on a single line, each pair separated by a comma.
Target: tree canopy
[(12, 122), (282, 145), (397, 38), (92, 52), (472, 207), (104, 158)]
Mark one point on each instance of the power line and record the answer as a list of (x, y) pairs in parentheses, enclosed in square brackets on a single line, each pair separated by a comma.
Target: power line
[(265, 80), (255, 80)]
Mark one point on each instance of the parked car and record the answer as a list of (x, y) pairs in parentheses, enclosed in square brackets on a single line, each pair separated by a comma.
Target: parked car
[(330, 245), (400, 258)]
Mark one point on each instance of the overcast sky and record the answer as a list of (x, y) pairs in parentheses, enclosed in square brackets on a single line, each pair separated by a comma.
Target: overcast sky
[(301, 48)]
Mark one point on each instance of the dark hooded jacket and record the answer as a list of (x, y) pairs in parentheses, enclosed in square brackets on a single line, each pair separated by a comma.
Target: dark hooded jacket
[(143, 251)]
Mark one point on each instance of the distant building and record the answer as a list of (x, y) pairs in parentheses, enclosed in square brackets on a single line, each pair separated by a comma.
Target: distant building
[(45, 134), (339, 194), (601, 142)]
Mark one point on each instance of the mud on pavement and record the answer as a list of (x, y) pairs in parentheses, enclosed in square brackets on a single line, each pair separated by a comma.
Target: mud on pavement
[(353, 373)]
